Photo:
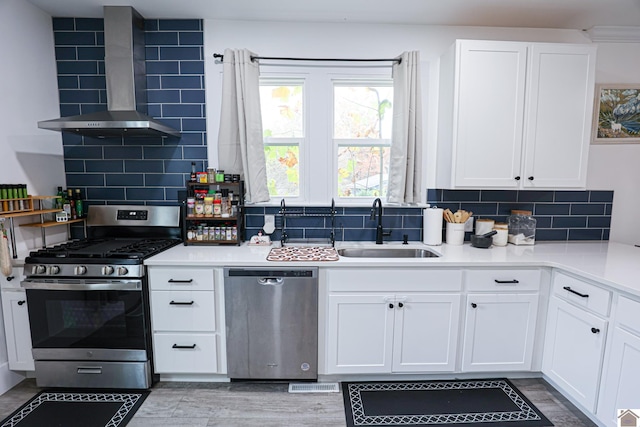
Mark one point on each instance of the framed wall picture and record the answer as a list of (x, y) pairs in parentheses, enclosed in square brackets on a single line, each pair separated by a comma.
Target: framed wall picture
[(616, 114)]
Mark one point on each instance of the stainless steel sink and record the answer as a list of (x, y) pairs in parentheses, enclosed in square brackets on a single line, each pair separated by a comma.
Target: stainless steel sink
[(386, 253)]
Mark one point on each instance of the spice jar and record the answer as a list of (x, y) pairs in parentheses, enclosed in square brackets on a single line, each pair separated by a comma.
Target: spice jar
[(217, 207), (522, 228), (191, 206), (219, 175), (199, 207), (208, 206)]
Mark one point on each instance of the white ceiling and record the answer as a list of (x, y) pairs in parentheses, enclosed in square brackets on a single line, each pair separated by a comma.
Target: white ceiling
[(563, 14)]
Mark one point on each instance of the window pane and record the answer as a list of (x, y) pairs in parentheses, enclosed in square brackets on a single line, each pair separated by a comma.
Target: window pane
[(283, 171), (363, 171), (362, 112), (282, 110)]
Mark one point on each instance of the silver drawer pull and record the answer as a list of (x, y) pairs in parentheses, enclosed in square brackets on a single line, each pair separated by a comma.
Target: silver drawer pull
[(90, 370), (181, 303)]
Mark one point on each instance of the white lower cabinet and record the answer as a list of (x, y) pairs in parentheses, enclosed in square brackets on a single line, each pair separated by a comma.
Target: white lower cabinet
[(16, 323), (619, 388), (407, 321), (575, 338), (185, 316), (382, 333), (501, 319), (499, 332)]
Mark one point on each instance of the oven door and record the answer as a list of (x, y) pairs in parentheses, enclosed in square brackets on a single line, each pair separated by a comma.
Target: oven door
[(80, 319)]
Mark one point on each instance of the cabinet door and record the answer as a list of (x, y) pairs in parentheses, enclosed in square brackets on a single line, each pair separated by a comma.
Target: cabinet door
[(425, 332), (488, 113), (499, 332), (16, 326), (620, 386), (574, 346), (359, 337), (559, 113)]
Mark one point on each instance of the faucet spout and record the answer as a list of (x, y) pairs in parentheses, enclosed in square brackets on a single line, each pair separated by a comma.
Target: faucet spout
[(377, 203)]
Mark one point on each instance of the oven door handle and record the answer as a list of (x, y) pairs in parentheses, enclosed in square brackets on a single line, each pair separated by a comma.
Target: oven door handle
[(83, 285), (95, 370)]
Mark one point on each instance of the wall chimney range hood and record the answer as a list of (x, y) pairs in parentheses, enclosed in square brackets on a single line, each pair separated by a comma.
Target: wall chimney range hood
[(126, 85)]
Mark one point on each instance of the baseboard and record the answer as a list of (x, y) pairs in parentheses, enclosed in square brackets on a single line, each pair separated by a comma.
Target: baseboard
[(9, 378)]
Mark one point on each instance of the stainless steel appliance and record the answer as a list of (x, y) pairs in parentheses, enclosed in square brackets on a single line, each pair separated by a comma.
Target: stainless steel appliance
[(126, 84), (89, 301), (272, 323)]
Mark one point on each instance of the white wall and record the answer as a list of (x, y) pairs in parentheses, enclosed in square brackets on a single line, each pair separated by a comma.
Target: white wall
[(617, 166), (28, 93), (614, 167)]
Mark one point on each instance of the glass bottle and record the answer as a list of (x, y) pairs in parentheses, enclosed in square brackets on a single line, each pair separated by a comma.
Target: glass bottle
[(79, 204)]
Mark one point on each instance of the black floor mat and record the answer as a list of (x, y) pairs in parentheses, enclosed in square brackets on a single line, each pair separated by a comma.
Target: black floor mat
[(77, 408), (493, 402)]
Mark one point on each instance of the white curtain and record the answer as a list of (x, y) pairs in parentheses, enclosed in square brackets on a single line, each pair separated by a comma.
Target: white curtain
[(240, 146), (405, 164)]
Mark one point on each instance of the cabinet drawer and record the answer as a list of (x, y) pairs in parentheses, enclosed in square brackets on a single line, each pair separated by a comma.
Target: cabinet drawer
[(502, 280), (627, 314), (185, 353), (393, 280), (183, 311), (169, 279), (582, 293)]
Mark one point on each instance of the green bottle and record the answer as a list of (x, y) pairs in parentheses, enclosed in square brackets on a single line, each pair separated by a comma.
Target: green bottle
[(79, 204)]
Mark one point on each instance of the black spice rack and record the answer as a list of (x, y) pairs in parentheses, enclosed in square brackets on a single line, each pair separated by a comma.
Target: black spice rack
[(217, 223), (302, 212)]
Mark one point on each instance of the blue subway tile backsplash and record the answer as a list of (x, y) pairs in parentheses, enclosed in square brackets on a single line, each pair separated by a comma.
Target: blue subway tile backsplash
[(133, 170)]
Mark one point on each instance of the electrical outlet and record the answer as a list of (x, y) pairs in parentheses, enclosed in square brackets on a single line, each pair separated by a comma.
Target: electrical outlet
[(269, 224), (468, 226)]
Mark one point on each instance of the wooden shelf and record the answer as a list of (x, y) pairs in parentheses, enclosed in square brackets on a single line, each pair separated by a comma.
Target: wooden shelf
[(29, 213), (34, 211), (51, 223)]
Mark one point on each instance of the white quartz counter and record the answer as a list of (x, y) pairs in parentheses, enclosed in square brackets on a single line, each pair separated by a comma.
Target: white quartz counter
[(612, 264)]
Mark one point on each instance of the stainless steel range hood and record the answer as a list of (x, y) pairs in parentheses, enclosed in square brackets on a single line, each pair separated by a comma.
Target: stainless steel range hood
[(126, 84)]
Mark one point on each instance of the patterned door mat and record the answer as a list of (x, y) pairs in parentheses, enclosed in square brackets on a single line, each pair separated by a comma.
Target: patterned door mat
[(77, 409), (297, 253), (494, 402)]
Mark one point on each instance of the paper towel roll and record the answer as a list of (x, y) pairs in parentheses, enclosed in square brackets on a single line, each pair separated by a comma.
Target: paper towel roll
[(432, 226)]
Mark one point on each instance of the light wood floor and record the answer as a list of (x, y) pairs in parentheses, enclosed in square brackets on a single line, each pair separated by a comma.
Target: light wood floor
[(270, 405)]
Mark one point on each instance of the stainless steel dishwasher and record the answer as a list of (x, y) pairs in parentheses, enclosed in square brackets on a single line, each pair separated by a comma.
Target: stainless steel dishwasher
[(271, 323)]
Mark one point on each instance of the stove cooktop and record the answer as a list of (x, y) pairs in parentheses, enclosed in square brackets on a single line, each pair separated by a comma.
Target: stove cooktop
[(105, 250)]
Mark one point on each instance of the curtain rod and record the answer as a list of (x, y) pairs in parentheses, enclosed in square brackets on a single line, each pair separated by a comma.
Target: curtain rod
[(276, 58)]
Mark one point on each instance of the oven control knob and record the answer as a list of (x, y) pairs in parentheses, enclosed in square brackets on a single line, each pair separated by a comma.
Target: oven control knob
[(80, 270), (122, 271), (54, 269), (39, 269), (107, 270)]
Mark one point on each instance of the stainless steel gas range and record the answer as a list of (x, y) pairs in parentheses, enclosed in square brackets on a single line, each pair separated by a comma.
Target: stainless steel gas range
[(89, 300)]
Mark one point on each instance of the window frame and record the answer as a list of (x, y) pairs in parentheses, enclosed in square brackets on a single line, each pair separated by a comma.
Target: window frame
[(319, 183)]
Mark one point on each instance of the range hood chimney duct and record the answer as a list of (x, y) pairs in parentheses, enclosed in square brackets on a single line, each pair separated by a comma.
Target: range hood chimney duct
[(126, 84)]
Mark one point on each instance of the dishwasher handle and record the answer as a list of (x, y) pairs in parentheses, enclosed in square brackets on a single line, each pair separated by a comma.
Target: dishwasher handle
[(271, 281)]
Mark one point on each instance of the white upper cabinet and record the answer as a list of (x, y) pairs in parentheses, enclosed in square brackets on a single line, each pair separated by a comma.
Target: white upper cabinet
[(515, 115)]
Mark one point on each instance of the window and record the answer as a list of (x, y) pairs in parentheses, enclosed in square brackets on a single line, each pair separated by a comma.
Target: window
[(327, 133), (362, 117)]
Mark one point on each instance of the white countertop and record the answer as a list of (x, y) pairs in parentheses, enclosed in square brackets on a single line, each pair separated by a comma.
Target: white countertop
[(613, 264)]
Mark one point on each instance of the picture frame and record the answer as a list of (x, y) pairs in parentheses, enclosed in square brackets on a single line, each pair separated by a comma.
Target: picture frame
[(616, 117)]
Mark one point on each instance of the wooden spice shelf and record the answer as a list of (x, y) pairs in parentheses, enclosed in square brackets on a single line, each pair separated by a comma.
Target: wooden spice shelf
[(48, 224)]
